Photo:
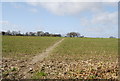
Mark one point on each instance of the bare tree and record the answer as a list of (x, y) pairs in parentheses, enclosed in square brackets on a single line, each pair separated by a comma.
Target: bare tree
[(14, 32), (8, 32)]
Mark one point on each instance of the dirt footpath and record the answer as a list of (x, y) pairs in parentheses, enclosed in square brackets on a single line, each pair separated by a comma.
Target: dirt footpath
[(15, 69)]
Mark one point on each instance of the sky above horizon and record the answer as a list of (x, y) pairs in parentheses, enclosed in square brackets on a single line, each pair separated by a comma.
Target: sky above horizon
[(91, 19)]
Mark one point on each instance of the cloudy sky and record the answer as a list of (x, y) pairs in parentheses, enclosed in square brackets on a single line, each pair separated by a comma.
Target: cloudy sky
[(91, 19)]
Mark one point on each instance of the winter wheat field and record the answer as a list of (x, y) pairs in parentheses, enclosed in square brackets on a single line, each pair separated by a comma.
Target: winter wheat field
[(59, 58), (59, 40)]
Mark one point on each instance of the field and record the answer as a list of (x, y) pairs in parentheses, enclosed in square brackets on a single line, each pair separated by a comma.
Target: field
[(18, 47), (84, 58), (88, 48), (73, 58)]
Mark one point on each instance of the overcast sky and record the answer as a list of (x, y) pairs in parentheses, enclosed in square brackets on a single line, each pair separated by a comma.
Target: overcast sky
[(92, 19)]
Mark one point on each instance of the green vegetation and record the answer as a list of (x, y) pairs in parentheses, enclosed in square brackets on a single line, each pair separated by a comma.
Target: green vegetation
[(38, 75), (13, 69), (19, 46), (82, 58), (85, 48)]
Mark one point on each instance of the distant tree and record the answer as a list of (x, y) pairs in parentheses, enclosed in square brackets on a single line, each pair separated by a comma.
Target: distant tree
[(14, 32), (31, 34), (19, 34), (46, 34), (3, 33), (40, 33), (73, 34), (78, 34), (69, 35), (26, 34), (111, 37), (56, 35), (8, 32)]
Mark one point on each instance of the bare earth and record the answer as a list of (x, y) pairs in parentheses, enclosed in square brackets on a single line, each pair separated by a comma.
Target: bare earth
[(39, 58), (58, 69)]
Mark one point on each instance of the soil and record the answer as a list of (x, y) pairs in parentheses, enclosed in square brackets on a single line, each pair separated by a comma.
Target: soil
[(58, 69)]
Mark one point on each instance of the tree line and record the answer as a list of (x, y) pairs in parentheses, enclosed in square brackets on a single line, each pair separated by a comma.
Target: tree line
[(39, 33)]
